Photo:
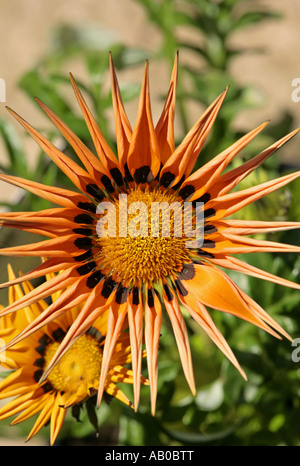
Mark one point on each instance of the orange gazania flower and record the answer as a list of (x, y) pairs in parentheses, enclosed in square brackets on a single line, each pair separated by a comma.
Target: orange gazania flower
[(74, 379), (138, 276)]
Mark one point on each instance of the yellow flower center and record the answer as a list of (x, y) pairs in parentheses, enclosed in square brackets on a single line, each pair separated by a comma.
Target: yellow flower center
[(79, 369), (145, 239)]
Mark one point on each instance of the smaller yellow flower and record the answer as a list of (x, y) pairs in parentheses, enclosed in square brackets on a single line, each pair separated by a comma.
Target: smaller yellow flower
[(73, 379)]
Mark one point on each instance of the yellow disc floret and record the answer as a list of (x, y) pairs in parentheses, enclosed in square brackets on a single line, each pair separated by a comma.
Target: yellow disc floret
[(77, 372), (144, 241)]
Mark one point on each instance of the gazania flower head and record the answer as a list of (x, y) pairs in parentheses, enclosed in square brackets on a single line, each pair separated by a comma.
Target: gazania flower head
[(131, 271), (74, 378)]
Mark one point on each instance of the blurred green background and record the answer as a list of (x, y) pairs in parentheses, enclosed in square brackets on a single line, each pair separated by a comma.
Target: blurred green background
[(218, 45)]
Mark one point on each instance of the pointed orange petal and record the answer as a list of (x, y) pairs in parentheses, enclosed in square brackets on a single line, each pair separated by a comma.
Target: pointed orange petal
[(215, 289), (123, 127), (182, 339), (92, 164), (105, 154), (230, 203), (233, 263), (165, 125), (60, 196), (143, 157), (153, 314), (58, 415), (55, 247), (75, 173), (202, 317), (115, 322), (251, 227), (183, 159), (229, 180), (205, 178), (135, 322)]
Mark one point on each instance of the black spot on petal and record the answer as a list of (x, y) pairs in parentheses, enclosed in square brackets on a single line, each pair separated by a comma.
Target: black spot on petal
[(83, 231), (168, 292), (94, 279), (182, 290), (187, 191), (47, 387), (204, 198), (95, 333), (108, 287), (209, 229), (107, 184), (166, 179), (86, 268), (84, 218), (58, 334), (177, 185), (135, 296), (150, 297), (117, 176), (127, 173), (83, 257), (209, 213), (83, 242), (95, 191), (122, 294), (205, 254), (89, 206), (143, 175), (187, 272), (208, 243), (43, 342), (37, 375), (39, 362)]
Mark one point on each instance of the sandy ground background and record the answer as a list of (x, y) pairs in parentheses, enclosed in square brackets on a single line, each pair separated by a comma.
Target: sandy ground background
[(25, 27)]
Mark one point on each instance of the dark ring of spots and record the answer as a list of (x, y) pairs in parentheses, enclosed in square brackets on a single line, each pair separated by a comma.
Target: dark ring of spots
[(108, 287), (187, 191), (117, 176), (143, 175), (83, 257), (89, 206), (127, 173), (94, 191), (122, 294), (209, 213), (135, 296), (86, 268), (150, 297), (168, 292), (94, 279), (187, 272), (182, 290), (166, 179), (83, 242), (84, 218), (107, 184)]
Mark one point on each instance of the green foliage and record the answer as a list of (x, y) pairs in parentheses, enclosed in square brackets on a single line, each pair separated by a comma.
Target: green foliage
[(227, 410)]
